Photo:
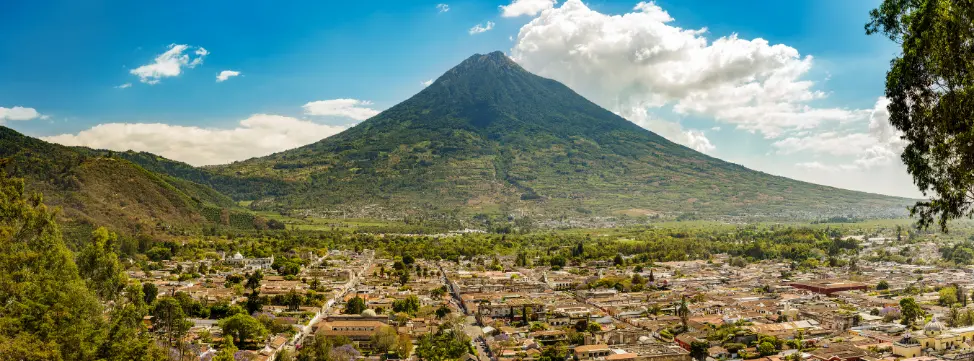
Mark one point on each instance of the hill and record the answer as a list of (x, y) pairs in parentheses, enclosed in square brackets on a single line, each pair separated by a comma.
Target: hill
[(96, 188), (490, 138)]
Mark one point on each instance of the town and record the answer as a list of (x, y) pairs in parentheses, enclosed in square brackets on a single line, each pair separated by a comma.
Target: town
[(362, 304)]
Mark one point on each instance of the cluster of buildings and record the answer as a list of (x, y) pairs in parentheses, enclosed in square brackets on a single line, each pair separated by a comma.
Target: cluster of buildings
[(602, 311)]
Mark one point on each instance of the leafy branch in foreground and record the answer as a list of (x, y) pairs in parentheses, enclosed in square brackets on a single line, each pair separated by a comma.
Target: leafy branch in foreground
[(930, 87)]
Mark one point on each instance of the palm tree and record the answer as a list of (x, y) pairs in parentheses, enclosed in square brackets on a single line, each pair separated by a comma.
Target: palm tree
[(683, 312)]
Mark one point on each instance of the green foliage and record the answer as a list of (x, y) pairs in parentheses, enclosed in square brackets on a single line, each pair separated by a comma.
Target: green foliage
[(698, 350), (95, 187), (910, 311), (882, 285), (947, 296), (243, 328), (46, 310), (169, 319), (409, 305), (99, 266), (442, 345), (931, 92), (385, 339), (354, 306)]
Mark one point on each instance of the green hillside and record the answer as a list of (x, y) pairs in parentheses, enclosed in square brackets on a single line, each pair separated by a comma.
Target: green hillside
[(97, 188), (488, 137)]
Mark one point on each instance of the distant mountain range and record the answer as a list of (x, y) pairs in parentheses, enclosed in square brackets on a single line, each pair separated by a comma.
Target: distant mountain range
[(487, 138)]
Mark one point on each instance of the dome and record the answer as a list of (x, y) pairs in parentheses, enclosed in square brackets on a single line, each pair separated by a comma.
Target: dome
[(933, 327), (368, 313)]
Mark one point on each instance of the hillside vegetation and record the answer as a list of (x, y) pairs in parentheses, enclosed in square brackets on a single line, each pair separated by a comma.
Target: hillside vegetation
[(96, 188)]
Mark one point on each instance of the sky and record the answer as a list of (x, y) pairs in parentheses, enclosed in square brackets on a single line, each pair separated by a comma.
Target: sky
[(792, 88)]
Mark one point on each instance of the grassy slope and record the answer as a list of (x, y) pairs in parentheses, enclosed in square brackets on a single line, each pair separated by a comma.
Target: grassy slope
[(489, 137), (93, 189)]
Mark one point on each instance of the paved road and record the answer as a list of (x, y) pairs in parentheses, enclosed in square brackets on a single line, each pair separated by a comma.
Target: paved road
[(348, 287)]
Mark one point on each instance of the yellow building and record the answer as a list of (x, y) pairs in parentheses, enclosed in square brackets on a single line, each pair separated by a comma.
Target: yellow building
[(935, 339)]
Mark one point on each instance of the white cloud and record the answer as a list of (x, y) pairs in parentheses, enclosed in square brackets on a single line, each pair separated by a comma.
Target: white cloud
[(442, 8), (692, 138), (427, 83), (258, 135), (123, 86), (526, 7), (19, 113), (880, 145), (349, 108), (226, 74), (831, 143), (640, 59), (170, 63), (477, 29)]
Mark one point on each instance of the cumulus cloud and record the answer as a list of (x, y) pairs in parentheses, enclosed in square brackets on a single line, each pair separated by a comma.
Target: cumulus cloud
[(526, 7), (641, 59), (692, 138), (18, 113), (226, 74), (349, 108), (879, 145), (170, 63), (477, 29), (442, 8), (427, 83), (258, 135)]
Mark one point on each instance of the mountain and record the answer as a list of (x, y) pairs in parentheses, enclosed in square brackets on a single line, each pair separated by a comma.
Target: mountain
[(96, 188), (489, 137)]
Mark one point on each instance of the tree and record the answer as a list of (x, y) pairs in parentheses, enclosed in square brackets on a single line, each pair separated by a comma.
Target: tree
[(683, 312), (283, 354), (227, 350), (98, 264), (882, 285), (403, 277), (910, 311), (318, 348), (384, 339), (799, 346), (618, 260), (593, 328), (47, 311), (293, 300), (243, 328), (404, 346), (354, 306), (948, 296), (581, 326), (345, 352), (931, 100), (408, 305), (150, 291), (169, 319), (698, 350), (652, 278), (254, 303), (553, 353), (253, 280), (442, 346), (767, 349), (442, 311)]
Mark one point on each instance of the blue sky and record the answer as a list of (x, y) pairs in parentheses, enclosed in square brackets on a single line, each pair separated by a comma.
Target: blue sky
[(69, 62)]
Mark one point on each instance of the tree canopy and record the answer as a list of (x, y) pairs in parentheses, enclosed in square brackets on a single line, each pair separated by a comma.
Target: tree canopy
[(930, 88)]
